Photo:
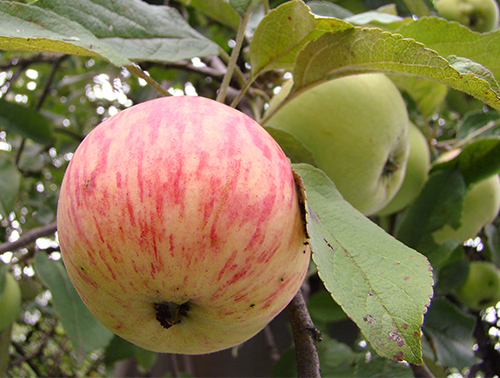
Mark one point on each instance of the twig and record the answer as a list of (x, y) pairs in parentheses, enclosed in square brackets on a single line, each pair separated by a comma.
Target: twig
[(134, 68), (305, 336), (29, 237), (175, 366), (274, 352), (234, 57), (421, 371)]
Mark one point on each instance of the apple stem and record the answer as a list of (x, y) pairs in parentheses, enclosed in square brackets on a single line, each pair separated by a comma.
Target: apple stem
[(170, 313), (305, 337)]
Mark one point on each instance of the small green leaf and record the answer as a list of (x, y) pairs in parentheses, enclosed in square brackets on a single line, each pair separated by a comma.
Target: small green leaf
[(381, 284), (293, 148), (324, 9), (451, 333), (10, 181), (145, 358), (484, 124), (118, 349), (323, 308), (84, 330), (363, 50), (25, 121), (477, 161), (241, 6), (219, 10), (439, 203), (283, 32)]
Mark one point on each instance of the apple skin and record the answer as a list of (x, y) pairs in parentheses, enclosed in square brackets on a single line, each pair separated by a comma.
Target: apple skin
[(357, 128), (478, 15), (180, 225), (480, 207), (481, 289), (10, 301), (417, 172)]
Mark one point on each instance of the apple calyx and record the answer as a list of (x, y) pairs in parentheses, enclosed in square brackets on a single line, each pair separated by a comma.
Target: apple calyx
[(170, 313), (391, 165)]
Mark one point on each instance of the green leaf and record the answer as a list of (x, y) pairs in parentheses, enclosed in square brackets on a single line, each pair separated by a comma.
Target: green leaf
[(380, 283), (84, 330), (25, 121), (477, 161), (137, 30), (363, 50), (451, 333), (241, 6), (322, 8), (336, 359), (293, 148), (218, 10), (118, 349), (439, 203), (450, 38), (323, 308), (479, 124), (31, 28), (339, 360), (145, 358), (116, 31), (283, 32), (10, 181), (452, 276), (376, 366)]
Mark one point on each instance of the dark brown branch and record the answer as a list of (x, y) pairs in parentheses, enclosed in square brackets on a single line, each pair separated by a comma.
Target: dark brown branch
[(29, 237), (421, 371), (305, 336)]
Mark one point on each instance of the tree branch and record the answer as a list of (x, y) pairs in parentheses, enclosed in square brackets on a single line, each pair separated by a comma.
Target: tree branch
[(305, 336), (29, 237), (421, 371)]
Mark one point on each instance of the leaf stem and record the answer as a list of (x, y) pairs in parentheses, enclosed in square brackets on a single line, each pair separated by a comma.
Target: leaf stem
[(234, 57)]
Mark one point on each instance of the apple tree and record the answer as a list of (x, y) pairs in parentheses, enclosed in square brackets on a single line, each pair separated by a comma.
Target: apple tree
[(388, 115)]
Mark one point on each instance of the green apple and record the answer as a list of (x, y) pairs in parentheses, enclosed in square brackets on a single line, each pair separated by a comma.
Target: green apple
[(480, 207), (180, 225), (10, 301), (479, 15), (357, 128), (417, 171), (481, 289)]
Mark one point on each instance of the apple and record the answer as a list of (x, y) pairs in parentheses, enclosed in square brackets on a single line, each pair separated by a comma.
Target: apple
[(10, 301), (417, 172), (478, 15), (480, 207), (357, 129), (481, 289), (180, 225)]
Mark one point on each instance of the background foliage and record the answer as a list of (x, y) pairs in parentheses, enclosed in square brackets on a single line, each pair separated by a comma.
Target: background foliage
[(62, 73)]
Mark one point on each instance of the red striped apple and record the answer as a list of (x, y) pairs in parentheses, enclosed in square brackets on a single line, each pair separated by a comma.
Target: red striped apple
[(180, 225)]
